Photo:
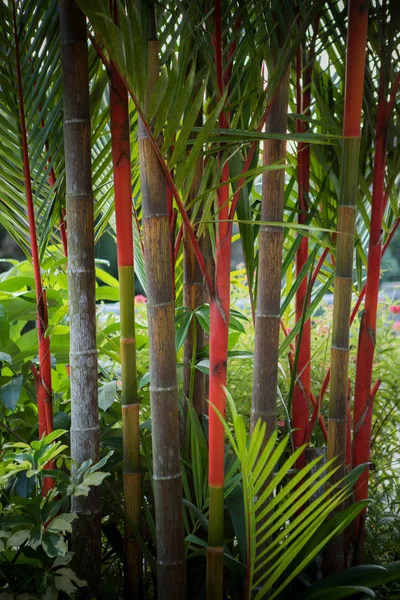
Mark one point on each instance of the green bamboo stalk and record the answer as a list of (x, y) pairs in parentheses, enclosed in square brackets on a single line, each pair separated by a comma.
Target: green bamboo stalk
[(85, 435), (119, 116), (167, 478), (337, 422)]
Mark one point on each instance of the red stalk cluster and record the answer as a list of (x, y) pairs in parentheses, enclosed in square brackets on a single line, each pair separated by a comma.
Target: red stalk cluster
[(302, 390), (220, 301), (300, 393), (43, 378), (364, 395)]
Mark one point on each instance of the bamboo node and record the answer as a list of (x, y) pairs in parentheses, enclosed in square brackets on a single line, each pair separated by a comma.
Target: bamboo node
[(344, 277), (155, 215), (79, 194), (131, 407), (340, 348), (172, 563), (95, 511), (132, 475), (215, 549), (160, 304), (128, 340), (264, 315), (95, 428), (272, 229), (168, 388), (72, 270), (167, 477), (68, 42), (83, 353), (263, 413), (190, 284), (68, 121)]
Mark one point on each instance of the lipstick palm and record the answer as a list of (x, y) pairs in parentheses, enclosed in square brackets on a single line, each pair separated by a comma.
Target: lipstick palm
[(354, 85)]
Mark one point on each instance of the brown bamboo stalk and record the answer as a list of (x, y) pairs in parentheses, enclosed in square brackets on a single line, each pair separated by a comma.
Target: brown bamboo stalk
[(267, 316), (85, 435), (167, 479)]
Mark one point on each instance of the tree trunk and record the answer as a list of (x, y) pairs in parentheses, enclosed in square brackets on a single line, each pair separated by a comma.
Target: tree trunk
[(171, 564), (267, 317), (355, 64), (85, 436)]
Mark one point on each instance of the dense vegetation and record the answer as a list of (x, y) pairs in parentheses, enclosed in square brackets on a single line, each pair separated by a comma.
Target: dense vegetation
[(231, 430)]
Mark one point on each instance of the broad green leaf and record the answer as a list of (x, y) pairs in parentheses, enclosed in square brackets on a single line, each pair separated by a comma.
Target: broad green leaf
[(107, 394), (4, 327), (11, 391)]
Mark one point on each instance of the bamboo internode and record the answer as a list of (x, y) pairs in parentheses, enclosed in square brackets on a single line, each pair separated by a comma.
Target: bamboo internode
[(120, 140), (85, 434), (354, 85)]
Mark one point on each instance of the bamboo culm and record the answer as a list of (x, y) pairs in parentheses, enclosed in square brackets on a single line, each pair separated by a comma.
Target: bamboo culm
[(354, 85), (167, 479), (120, 140), (85, 435), (267, 315)]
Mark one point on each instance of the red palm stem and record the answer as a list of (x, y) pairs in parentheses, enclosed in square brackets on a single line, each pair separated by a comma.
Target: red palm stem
[(45, 413), (366, 344)]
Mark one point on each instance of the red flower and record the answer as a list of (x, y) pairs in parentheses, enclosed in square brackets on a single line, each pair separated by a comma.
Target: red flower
[(395, 309), (139, 299)]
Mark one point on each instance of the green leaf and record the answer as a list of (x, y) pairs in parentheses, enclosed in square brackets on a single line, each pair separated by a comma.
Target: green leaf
[(145, 380), (54, 435), (11, 391), (107, 395), (66, 581), (342, 592), (203, 366), (4, 326), (105, 292), (35, 537), (54, 544), (4, 357), (93, 479), (203, 316), (62, 523), (182, 324), (18, 538)]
